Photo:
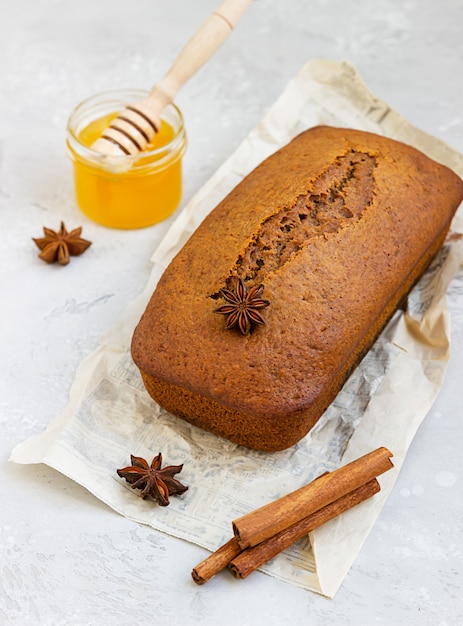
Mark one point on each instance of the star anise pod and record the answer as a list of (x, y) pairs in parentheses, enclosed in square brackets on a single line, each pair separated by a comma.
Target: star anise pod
[(60, 245), (242, 306), (155, 482)]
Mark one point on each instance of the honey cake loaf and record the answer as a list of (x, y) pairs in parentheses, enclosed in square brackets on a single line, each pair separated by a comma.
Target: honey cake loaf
[(337, 226)]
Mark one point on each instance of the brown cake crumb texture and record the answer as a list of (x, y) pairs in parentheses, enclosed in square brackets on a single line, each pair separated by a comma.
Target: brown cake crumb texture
[(339, 194), (338, 225)]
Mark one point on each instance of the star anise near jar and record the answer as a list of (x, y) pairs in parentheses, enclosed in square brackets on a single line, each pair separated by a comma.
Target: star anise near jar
[(60, 245), (154, 482), (242, 306)]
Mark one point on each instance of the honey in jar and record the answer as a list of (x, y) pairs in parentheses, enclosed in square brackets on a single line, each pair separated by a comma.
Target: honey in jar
[(126, 191)]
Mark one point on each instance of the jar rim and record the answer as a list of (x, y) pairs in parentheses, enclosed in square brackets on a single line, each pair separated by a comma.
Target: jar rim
[(112, 101)]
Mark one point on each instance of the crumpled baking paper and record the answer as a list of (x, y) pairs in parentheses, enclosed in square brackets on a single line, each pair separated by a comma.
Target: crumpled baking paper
[(110, 415)]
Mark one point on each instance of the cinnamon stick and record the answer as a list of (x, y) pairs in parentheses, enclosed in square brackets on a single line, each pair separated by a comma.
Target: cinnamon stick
[(252, 558), (216, 562), (268, 520)]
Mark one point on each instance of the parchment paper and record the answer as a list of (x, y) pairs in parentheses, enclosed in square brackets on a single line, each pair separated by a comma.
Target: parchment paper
[(110, 416)]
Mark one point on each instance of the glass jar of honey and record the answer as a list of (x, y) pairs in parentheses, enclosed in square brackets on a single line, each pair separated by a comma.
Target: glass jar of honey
[(125, 191)]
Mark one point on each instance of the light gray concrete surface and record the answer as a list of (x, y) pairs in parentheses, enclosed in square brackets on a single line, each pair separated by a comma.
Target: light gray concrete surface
[(65, 558)]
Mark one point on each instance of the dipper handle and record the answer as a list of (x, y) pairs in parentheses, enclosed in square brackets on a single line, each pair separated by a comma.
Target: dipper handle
[(137, 124)]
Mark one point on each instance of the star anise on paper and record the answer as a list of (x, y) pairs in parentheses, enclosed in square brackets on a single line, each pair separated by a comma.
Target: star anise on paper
[(60, 245), (154, 482), (242, 306)]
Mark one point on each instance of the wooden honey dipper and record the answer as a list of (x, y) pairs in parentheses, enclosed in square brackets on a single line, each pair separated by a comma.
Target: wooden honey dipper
[(135, 126)]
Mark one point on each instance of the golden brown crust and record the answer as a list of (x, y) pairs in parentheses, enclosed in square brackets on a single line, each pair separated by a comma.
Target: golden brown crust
[(338, 226)]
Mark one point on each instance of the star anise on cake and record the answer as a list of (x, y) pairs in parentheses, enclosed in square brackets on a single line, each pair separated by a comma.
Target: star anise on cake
[(242, 306), (60, 245), (154, 482)]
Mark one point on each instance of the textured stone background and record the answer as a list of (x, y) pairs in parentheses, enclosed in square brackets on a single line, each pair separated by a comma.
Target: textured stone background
[(64, 557)]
